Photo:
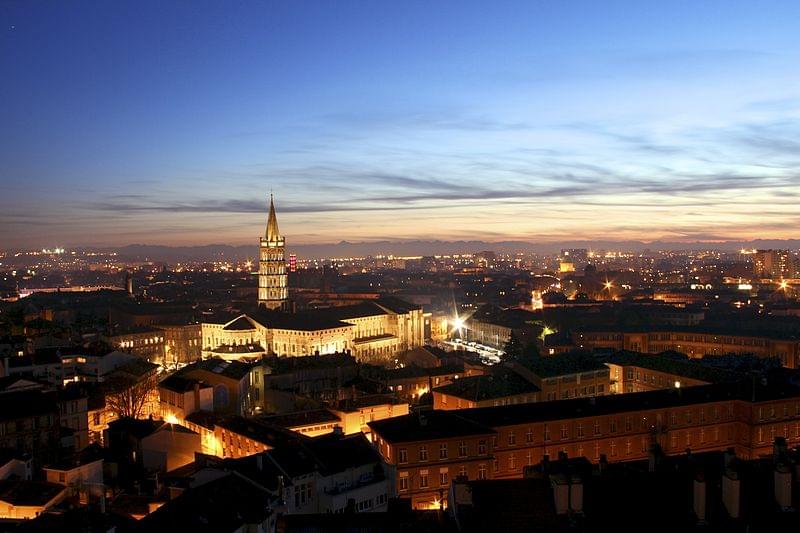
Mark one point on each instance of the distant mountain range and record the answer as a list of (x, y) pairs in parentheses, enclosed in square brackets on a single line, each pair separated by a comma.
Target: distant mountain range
[(173, 254)]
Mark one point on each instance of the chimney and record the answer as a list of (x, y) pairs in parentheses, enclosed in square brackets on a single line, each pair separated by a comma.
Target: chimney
[(196, 397), (729, 456), (603, 463), (731, 492), (783, 486), (576, 494), (779, 450), (699, 498), (560, 486), (653, 457), (567, 493)]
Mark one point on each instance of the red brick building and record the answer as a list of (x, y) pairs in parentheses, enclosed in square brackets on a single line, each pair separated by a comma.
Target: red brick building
[(498, 442)]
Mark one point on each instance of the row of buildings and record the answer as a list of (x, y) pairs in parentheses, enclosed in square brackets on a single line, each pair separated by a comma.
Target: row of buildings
[(431, 449)]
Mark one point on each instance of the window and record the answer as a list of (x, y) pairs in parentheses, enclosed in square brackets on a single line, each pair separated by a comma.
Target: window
[(423, 479), (627, 423), (462, 471), (443, 450), (529, 435), (402, 454), (596, 427), (512, 438), (512, 462), (423, 453), (482, 447), (481, 471), (462, 449), (403, 480), (612, 426), (580, 430), (546, 432), (443, 477), (564, 432)]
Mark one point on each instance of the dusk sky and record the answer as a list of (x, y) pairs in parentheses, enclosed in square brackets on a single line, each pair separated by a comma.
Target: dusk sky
[(169, 122)]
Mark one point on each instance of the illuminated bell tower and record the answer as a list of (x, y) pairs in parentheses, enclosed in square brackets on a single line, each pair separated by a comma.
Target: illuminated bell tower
[(273, 292)]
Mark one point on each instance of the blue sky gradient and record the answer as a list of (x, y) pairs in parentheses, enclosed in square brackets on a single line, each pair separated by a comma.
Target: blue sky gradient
[(169, 122)]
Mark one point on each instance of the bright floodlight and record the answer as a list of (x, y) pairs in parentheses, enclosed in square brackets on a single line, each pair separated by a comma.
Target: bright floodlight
[(784, 284), (608, 284), (458, 323)]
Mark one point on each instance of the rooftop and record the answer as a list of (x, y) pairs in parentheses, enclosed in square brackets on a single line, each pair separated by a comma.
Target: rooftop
[(181, 384), (230, 369), (499, 384), (674, 363), (240, 324), (413, 371), (27, 403), (448, 424), (285, 365), (301, 418), (428, 426), (562, 364), (260, 430), (19, 492), (328, 455), (224, 504)]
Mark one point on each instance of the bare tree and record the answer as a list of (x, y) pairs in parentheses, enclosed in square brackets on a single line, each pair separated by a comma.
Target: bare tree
[(127, 397)]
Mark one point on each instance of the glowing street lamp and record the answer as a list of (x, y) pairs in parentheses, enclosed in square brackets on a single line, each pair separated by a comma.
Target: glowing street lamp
[(459, 325), (784, 284)]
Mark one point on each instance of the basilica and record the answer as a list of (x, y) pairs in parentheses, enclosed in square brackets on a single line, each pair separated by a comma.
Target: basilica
[(373, 331)]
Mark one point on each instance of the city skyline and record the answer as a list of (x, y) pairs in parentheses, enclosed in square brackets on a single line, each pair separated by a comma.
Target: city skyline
[(169, 124)]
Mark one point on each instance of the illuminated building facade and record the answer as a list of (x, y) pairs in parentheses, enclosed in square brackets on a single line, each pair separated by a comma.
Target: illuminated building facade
[(693, 342), (371, 331), (498, 442), (273, 290), (775, 264)]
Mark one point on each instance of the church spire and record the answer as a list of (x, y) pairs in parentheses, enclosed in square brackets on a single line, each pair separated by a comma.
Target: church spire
[(272, 222)]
